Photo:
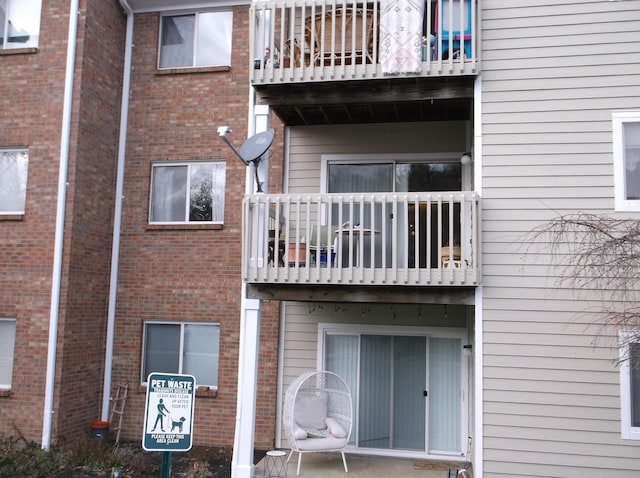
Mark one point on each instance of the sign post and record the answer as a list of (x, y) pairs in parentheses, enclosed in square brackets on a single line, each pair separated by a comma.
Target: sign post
[(168, 424)]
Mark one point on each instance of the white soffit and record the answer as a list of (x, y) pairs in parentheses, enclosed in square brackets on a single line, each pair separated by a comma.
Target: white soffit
[(144, 6)]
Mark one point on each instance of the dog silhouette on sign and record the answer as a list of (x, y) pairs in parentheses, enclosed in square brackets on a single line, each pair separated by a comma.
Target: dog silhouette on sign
[(177, 424)]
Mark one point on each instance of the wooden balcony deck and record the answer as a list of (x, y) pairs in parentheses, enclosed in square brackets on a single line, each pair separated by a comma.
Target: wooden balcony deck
[(301, 41), (389, 239)]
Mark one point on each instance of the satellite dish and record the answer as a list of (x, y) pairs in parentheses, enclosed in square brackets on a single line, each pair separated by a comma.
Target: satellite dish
[(254, 147)]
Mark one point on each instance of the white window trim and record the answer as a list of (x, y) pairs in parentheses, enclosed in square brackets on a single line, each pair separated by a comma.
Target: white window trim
[(618, 120), (7, 386), (143, 379), (35, 15), (17, 150), (176, 13), (446, 157), (628, 432), (188, 164)]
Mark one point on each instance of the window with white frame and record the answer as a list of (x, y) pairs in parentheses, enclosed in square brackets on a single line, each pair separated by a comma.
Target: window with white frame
[(630, 384), (20, 23), (186, 348), (626, 160), (187, 193), (13, 180), (7, 343), (196, 40)]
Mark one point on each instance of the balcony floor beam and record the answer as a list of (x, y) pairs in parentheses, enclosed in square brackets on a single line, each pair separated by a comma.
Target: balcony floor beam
[(372, 294)]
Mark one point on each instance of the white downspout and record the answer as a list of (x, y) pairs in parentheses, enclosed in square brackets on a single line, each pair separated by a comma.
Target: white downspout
[(117, 214), (59, 234)]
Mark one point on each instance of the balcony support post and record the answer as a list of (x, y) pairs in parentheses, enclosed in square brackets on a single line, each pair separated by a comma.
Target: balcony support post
[(242, 462)]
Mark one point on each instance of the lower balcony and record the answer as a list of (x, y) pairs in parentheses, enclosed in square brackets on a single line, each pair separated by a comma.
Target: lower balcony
[(375, 239)]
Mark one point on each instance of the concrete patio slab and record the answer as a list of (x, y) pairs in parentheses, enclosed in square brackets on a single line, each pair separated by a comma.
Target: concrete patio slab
[(329, 465)]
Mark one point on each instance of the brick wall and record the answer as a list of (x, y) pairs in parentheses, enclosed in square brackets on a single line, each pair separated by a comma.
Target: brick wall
[(189, 274), (31, 101), (100, 50)]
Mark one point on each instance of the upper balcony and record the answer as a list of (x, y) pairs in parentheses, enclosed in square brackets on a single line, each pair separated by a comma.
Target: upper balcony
[(363, 239), (306, 41)]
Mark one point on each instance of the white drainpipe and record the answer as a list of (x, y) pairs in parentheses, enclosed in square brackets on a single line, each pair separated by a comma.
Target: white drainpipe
[(117, 214), (59, 234)]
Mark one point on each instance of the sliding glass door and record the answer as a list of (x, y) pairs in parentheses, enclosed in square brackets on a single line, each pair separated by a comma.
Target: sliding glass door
[(406, 389), (396, 176)]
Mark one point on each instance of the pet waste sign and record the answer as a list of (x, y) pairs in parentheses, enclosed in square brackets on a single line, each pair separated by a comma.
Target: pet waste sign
[(168, 424)]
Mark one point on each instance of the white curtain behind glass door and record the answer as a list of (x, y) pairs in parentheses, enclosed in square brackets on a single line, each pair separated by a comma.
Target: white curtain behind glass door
[(445, 394)]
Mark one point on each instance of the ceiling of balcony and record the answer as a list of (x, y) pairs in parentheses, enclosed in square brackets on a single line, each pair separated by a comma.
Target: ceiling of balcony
[(373, 101)]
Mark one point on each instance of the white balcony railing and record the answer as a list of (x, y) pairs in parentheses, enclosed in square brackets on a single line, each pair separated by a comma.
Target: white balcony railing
[(321, 40), (362, 238)]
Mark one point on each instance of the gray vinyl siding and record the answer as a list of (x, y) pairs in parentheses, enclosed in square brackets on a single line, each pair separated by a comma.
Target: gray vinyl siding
[(309, 143), (552, 74), (302, 320)]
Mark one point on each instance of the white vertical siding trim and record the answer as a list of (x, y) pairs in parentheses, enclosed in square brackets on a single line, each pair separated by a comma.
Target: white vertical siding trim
[(477, 455)]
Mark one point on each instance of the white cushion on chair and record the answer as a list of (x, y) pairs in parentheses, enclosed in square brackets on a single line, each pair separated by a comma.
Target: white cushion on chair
[(299, 434), (311, 412), (320, 444), (335, 428)]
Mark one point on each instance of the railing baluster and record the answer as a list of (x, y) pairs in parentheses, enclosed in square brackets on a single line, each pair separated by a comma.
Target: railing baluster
[(439, 242), (263, 234), (307, 237), (351, 224), (278, 255), (360, 238), (287, 239), (332, 248), (463, 236), (405, 259), (383, 242), (395, 250), (246, 237), (339, 243), (429, 232), (416, 233), (372, 238), (452, 255)]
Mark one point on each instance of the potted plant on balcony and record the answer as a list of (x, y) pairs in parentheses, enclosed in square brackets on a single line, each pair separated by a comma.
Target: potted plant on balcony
[(301, 258)]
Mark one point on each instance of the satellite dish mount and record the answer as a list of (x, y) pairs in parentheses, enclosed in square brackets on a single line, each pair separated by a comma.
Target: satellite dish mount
[(253, 149)]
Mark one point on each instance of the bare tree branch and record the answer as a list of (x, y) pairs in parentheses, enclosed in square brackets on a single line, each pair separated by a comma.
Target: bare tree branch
[(602, 254)]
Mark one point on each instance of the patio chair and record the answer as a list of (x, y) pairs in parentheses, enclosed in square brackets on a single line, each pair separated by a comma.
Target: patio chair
[(333, 28), (317, 415)]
